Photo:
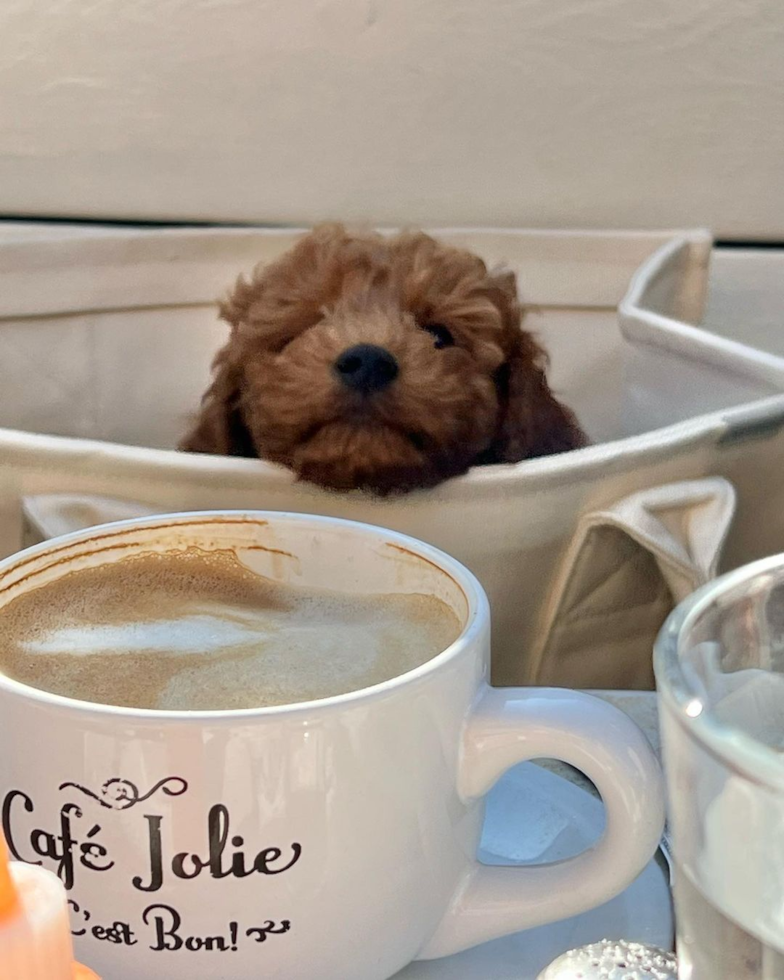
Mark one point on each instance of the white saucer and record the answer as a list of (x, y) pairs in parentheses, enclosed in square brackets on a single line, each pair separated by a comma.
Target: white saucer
[(534, 816)]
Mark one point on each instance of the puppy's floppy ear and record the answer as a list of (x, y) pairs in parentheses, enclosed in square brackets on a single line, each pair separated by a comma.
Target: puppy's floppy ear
[(220, 427), (532, 421)]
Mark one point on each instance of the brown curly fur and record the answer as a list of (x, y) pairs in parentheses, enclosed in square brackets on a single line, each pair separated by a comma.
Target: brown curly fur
[(275, 393)]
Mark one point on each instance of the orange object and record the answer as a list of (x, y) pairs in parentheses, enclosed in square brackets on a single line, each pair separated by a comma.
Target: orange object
[(9, 897), (82, 973), (35, 937)]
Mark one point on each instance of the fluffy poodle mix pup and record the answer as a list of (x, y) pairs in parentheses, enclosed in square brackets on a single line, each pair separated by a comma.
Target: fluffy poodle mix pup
[(384, 364)]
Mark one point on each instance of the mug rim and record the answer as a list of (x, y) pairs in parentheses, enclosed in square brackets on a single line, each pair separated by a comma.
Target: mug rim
[(736, 749), (477, 615)]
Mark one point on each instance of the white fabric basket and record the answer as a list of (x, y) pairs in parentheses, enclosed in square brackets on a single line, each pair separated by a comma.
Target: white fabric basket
[(106, 338)]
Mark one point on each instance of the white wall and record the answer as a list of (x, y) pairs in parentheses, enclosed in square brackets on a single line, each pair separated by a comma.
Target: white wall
[(645, 113)]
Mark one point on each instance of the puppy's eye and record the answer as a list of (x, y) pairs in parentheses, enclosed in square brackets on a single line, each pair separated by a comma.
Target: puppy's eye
[(443, 336)]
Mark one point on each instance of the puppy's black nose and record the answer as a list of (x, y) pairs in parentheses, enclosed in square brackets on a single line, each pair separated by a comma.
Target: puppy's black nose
[(366, 368)]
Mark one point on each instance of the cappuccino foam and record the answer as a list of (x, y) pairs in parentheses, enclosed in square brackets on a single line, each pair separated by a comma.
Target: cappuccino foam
[(198, 630)]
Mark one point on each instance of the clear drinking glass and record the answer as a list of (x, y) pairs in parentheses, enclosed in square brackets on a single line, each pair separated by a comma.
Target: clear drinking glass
[(719, 665)]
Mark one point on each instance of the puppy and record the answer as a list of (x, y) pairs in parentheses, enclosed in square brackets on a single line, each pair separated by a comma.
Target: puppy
[(385, 364)]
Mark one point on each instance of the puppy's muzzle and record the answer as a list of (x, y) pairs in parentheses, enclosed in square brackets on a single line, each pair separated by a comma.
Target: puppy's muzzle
[(366, 368)]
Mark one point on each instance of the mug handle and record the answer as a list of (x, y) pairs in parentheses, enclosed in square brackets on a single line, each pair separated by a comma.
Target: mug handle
[(512, 725)]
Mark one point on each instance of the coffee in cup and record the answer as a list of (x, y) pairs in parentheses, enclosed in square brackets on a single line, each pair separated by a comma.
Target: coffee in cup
[(198, 630)]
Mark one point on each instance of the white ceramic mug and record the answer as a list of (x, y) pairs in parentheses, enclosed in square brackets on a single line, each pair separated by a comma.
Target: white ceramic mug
[(333, 840)]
